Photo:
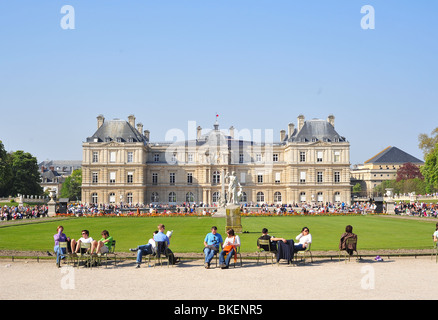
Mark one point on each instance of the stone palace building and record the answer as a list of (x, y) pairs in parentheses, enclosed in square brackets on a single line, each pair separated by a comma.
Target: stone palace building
[(310, 163)]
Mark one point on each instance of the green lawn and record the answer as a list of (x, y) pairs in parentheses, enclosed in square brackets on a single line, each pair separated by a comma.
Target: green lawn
[(374, 232)]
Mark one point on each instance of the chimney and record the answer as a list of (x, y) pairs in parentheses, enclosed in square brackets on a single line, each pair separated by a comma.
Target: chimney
[(131, 120), (147, 134), (232, 132), (290, 130), (140, 127), (282, 135), (198, 133), (300, 122), (100, 120), (331, 120)]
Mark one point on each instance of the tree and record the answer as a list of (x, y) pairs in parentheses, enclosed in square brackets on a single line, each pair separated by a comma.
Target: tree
[(428, 143), (357, 188), (430, 171), (408, 171), (5, 172), (25, 174), (71, 188)]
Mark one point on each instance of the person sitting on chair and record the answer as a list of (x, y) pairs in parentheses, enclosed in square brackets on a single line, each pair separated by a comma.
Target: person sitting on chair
[(304, 238), (161, 237), (229, 249), (103, 245), (266, 236), (212, 243), (348, 234), (145, 249), (76, 245)]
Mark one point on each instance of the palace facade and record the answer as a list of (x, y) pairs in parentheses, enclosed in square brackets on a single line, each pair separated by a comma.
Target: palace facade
[(310, 163)]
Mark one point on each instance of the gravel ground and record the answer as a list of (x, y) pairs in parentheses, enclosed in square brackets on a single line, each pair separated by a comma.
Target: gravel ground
[(394, 278)]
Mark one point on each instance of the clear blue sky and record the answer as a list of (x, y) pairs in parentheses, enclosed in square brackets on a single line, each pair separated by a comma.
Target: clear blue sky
[(257, 63)]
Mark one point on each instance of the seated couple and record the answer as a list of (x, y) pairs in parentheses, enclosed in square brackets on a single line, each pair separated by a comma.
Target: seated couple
[(150, 247), (213, 242), (304, 239)]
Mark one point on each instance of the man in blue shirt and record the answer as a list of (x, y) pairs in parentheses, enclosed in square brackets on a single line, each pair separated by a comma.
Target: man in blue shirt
[(212, 242), (162, 237)]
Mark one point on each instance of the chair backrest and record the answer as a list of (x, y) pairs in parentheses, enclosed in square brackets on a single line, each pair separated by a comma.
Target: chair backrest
[(63, 244), (161, 247), (85, 245), (309, 245), (266, 243), (351, 243), (113, 246)]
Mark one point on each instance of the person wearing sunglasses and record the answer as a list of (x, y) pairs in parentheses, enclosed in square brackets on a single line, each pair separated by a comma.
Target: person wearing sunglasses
[(76, 245)]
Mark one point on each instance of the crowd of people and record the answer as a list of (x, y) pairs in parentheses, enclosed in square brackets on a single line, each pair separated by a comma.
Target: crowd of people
[(420, 209), (14, 212)]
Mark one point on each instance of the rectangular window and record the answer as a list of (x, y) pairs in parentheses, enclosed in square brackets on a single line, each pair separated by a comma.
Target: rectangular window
[(337, 156), (302, 156), (130, 157), (112, 178), (319, 156), (260, 178), (190, 157), (277, 177), (275, 157), (241, 158), (130, 177), (242, 177), (189, 178), (172, 178), (258, 157), (95, 156), (319, 176), (95, 177), (154, 178), (337, 177), (303, 177), (112, 156), (156, 157)]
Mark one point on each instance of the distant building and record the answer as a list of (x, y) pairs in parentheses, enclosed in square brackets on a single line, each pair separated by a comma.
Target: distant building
[(54, 172), (310, 164), (383, 166)]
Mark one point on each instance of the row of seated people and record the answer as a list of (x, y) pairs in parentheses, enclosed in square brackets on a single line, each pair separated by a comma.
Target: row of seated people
[(213, 244)]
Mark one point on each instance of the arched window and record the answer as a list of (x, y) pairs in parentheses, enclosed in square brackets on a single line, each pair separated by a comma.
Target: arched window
[(216, 177), (244, 197), (155, 197), (260, 197), (172, 197), (94, 198), (216, 197), (277, 197), (190, 197)]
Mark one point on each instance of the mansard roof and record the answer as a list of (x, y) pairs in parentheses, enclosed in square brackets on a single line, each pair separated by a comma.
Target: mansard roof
[(116, 130), (393, 155), (316, 130)]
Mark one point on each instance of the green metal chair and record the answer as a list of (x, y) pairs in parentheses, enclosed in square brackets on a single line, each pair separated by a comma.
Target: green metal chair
[(303, 254), (266, 253), (349, 243), (108, 255)]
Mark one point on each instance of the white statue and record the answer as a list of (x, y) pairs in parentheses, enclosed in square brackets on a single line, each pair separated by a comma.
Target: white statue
[(233, 184)]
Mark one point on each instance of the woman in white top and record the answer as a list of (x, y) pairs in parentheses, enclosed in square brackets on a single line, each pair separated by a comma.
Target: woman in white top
[(305, 238), (229, 247)]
